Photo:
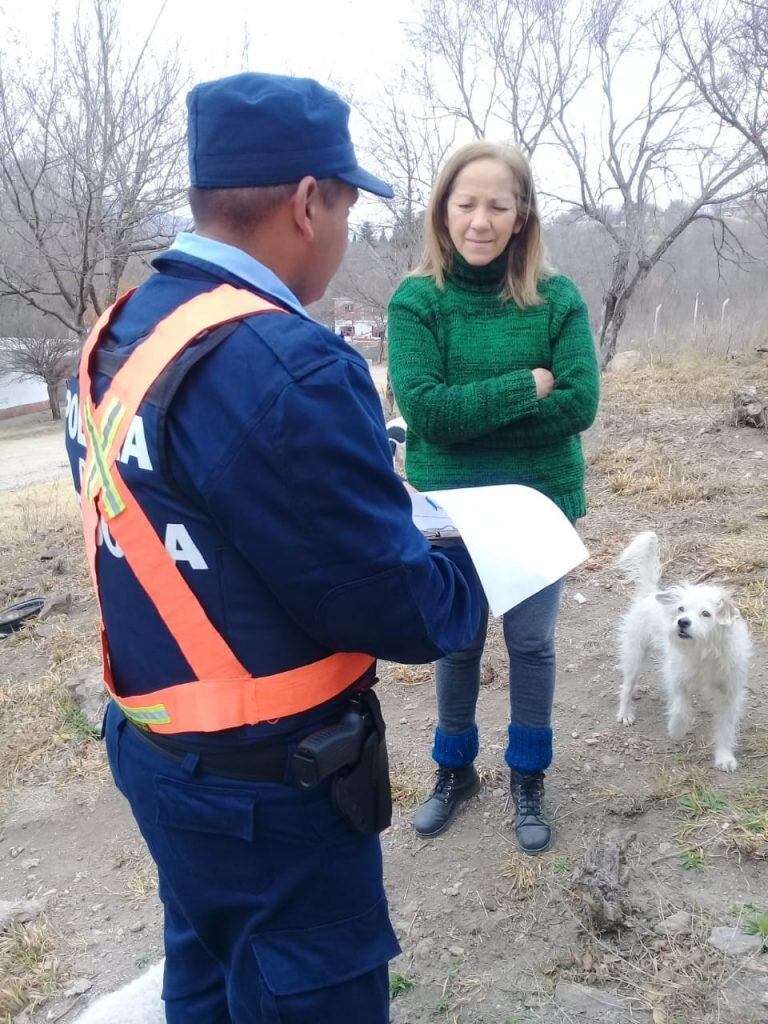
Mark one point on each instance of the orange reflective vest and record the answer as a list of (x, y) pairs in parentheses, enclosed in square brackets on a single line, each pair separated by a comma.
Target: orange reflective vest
[(223, 694)]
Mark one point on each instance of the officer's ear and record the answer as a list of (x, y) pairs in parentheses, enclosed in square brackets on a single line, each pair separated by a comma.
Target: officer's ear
[(304, 207)]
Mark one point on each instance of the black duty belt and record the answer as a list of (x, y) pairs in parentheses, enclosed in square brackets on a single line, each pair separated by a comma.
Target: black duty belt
[(256, 762), (350, 754)]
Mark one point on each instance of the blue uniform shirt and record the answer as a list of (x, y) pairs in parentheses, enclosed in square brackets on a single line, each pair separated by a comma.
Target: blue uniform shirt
[(269, 476)]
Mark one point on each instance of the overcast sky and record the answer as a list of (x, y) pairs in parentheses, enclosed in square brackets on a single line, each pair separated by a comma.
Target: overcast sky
[(355, 40), (353, 45)]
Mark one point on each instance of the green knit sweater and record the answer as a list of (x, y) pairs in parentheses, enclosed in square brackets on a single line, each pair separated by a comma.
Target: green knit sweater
[(460, 361)]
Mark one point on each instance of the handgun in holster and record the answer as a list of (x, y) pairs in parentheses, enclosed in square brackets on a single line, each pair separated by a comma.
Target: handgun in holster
[(352, 753)]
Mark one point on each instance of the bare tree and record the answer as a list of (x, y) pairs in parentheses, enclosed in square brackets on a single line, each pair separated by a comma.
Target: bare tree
[(481, 67), (665, 144), (642, 162), (725, 50), (511, 65), (47, 359), (91, 155), (408, 137)]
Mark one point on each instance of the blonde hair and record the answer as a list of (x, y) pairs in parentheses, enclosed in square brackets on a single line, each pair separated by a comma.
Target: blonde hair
[(527, 263)]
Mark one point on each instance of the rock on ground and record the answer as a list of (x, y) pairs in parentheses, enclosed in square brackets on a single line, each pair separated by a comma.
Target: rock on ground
[(675, 924), (88, 690), (598, 1004), (20, 911), (746, 993), (56, 604), (624, 363), (734, 942)]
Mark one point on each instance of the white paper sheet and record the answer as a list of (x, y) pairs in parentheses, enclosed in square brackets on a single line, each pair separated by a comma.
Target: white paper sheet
[(519, 540)]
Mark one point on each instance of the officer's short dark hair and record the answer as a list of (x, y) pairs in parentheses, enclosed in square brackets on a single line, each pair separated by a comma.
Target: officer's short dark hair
[(242, 209)]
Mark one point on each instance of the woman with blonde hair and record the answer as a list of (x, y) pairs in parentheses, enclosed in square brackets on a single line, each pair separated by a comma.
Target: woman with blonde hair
[(494, 370)]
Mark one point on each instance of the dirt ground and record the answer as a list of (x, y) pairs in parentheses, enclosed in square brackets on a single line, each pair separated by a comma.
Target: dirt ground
[(488, 937), (31, 451)]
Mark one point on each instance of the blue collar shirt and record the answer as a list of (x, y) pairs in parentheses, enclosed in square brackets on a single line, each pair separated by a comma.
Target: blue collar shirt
[(237, 262)]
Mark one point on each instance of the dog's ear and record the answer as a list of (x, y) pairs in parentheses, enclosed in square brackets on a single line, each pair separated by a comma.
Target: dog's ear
[(667, 597), (726, 611)]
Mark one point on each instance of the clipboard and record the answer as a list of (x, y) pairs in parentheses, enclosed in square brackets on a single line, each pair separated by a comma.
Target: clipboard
[(431, 518)]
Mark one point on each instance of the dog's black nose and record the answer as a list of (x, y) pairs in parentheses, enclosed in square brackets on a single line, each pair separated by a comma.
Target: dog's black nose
[(683, 623)]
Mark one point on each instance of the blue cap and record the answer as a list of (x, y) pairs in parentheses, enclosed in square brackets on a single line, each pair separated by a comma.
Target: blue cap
[(254, 129)]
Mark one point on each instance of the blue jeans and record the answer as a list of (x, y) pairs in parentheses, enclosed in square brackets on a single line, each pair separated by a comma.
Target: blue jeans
[(529, 634)]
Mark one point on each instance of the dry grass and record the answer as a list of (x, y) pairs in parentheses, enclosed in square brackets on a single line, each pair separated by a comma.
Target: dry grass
[(524, 874), (42, 553), (29, 969), (90, 764), (713, 822), (644, 467), (138, 876), (741, 554), (676, 977), (714, 526), (665, 483), (755, 749), (38, 723), (752, 600), (459, 989), (741, 560), (38, 521), (643, 455), (408, 785), (411, 675), (528, 878), (669, 783), (682, 380), (493, 776)]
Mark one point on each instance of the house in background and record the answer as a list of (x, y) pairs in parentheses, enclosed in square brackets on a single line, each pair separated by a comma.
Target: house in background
[(362, 327), (18, 397)]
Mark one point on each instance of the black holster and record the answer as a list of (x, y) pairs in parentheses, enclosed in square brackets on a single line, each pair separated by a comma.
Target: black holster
[(353, 755)]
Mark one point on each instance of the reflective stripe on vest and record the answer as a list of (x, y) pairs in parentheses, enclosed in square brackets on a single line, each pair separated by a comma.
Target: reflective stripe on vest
[(223, 694)]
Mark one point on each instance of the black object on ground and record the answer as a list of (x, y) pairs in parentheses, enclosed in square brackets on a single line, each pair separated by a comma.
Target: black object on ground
[(15, 616)]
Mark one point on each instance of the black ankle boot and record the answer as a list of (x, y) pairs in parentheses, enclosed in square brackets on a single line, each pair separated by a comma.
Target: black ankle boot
[(531, 825), (452, 787)]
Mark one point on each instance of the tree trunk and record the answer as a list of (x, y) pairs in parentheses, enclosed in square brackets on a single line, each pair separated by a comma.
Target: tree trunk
[(616, 302), (614, 309), (53, 400), (609, 337)]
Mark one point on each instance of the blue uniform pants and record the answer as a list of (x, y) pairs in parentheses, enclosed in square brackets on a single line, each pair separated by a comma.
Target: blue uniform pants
[(275, 910)]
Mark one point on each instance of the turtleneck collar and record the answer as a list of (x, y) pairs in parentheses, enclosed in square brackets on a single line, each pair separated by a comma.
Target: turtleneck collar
[(488, 278)]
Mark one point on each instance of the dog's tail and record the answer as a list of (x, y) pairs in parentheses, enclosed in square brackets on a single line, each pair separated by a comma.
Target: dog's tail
[(640, 562)]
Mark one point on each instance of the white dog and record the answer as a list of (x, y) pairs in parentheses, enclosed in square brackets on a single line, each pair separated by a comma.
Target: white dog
[(397, 431), (703, 642)]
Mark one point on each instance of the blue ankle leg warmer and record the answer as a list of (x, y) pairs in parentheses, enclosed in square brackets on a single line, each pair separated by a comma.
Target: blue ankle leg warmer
[(455, 750), (529, 750)]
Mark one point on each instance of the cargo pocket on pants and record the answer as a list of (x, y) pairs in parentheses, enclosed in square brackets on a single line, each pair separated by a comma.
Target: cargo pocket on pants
[(308, 960), (213, 832)]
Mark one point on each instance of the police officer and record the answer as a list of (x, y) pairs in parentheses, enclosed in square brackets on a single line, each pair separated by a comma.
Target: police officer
[(253, 552)]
